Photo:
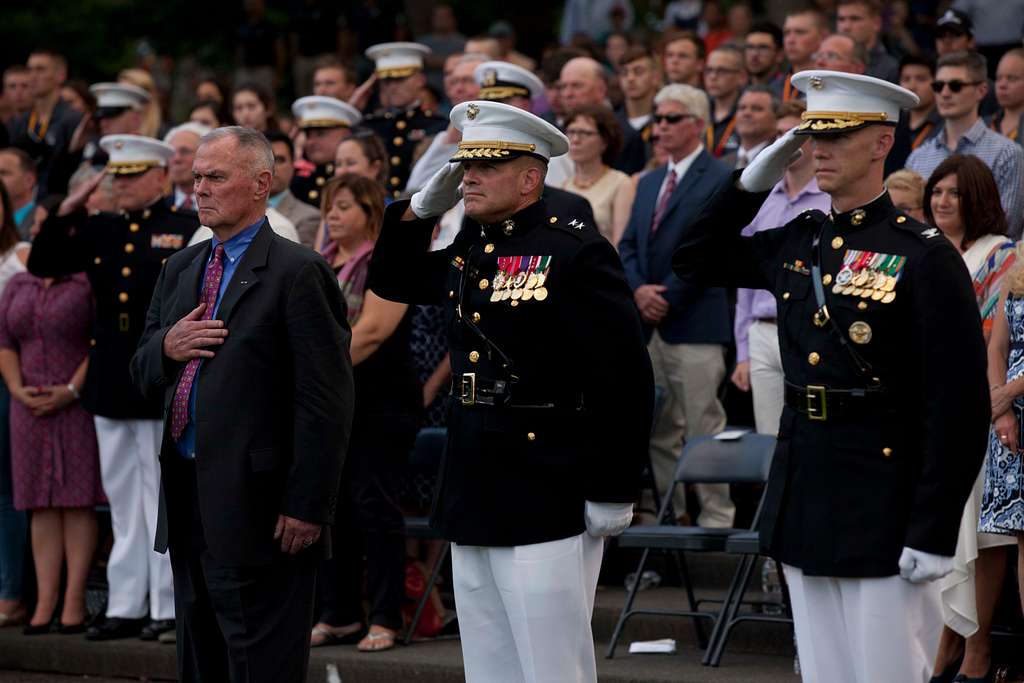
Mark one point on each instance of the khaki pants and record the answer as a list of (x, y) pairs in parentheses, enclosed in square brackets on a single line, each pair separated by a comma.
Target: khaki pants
[(766, 376), (690, 374)]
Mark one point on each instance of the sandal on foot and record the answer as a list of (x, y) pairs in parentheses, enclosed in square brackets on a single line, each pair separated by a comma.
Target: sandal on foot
[(329, 637), (377, 641)]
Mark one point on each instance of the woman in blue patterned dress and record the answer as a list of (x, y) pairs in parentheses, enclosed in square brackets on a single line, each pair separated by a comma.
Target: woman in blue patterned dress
[(1002, 503)]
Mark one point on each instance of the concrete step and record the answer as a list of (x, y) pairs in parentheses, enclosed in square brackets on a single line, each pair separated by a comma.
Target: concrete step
[(425, 662)]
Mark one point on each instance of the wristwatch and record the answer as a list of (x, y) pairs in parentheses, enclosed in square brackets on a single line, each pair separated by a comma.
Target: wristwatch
[(73, 390)]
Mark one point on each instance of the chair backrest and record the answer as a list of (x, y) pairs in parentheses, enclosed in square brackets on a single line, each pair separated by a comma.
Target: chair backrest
[(746, 460), (430, 445)]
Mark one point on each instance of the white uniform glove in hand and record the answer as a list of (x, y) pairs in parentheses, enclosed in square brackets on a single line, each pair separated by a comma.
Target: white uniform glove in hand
[(770, 165), (919, 567), (440, 193), (608, 519)]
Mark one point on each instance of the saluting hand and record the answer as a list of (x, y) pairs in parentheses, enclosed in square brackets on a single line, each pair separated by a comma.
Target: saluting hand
[(80, 196), (295, 534), (191, 335)]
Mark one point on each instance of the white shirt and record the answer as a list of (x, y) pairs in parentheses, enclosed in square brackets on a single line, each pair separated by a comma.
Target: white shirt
[(180, 196), (745, 156), (281, 225), (638, 122), (680, 168)]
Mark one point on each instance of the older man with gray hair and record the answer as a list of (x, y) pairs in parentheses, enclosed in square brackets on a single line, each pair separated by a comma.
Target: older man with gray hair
[(256, 325), (687, 327)]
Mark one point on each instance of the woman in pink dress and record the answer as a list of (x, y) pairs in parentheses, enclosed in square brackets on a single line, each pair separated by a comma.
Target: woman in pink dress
[(44, 347)]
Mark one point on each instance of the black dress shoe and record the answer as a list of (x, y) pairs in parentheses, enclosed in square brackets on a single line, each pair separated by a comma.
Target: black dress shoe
[(39, 630), (113, 628), (153, 629), (989, 677), (949, 673), (71, 629)]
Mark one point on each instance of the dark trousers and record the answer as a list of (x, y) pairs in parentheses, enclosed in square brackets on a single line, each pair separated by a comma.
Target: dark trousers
[(244, 624), (368, 523)]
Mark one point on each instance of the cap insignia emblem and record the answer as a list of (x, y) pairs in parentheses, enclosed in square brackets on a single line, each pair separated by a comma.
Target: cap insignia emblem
[(119, 145), (817, 83), (490, 78), (471, 111)]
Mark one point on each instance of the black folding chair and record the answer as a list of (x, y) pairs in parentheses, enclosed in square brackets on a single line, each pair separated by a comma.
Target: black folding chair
[(426, 456), (704, 460)]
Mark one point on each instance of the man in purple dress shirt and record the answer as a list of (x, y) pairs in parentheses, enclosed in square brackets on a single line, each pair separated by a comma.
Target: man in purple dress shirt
[(758, 362)]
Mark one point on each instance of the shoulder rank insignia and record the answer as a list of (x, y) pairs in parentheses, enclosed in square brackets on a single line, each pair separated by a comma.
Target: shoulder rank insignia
[(930, 233), (166, 241), (869, 275), (521, 278), (575, 223)]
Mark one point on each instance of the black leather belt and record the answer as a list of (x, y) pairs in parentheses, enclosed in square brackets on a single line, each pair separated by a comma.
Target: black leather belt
[(471, 389), (820, 403)]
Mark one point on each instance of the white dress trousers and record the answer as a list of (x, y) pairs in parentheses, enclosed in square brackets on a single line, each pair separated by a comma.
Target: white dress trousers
[(524, 611), (864, 630), (139, 578)]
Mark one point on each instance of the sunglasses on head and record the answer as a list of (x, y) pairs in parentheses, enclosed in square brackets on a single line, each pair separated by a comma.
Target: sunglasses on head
[(954, 85), (671, 118)]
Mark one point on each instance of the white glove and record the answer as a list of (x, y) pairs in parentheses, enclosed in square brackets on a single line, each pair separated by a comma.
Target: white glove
[(608, 519), (770, 165), (919, 567), (441, 192)]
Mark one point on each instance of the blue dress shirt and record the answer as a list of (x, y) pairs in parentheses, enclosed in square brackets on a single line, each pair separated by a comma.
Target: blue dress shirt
[(234, 249)]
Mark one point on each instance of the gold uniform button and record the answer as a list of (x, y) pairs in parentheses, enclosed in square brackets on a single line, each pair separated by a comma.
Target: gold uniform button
[(320, 181), (397, 142), (329, 169), (827, 280), (514, 303), (395, 181), (785, 296), (313, 194), (97, 260), (484, 283), (474, 356), (129, 248), (126, 271), (134, 227), (146, 214), (901, 219), (553, 220), (862, 306), (395, 161), (887, 452), (530, 436), (400, 125), (813, 358), (123, 297), (837, 242), (476, 317), (488, 248), (451, 293), (92, 342)]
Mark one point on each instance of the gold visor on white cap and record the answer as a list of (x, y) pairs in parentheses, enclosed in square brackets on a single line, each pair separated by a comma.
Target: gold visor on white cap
[(839, 102), (320, 111), (499, 132), (501, 80), (130, 154), (397, 60)]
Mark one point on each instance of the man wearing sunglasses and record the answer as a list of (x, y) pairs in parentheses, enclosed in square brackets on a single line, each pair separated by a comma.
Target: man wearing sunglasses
[(687, 328), (960, 85), (881, 436)]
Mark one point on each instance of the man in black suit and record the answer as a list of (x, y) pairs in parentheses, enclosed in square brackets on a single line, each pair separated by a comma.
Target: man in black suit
[(256, 326)]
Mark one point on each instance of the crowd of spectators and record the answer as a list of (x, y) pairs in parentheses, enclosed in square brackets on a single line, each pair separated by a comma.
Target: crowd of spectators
[(657, 120)]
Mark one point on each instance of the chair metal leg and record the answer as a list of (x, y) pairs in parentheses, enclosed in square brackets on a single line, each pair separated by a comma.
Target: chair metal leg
[(718, 649), (627, 608), (684, 571), (434, 573), (723, 612)]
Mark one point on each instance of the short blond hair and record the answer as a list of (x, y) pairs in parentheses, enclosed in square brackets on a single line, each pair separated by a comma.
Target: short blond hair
[(906, 180), (695, 101)]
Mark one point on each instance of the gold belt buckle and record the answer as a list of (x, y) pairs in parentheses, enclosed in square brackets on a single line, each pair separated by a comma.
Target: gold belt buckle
[(819, 412), (468, 388), (122, 322)]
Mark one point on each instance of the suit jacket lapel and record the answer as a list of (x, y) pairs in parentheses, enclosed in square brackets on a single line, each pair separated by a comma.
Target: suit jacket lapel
[(657, 177), (192, 278), (245, 279)]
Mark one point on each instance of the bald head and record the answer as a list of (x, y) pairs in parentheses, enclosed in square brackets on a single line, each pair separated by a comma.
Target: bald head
[(582, 83)]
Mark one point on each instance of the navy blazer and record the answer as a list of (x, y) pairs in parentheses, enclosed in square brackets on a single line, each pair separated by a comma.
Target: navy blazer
[(697, 315)]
